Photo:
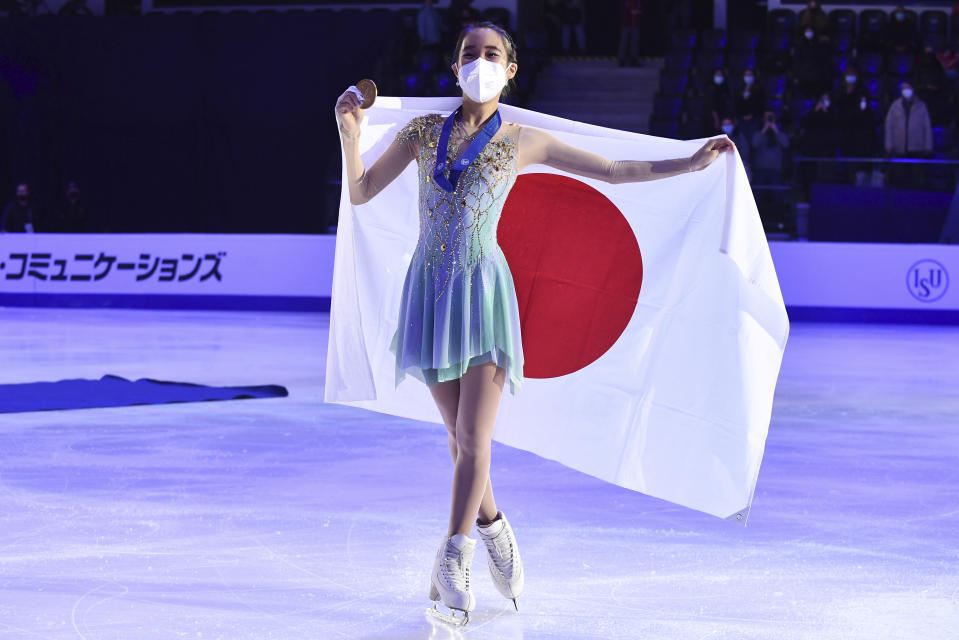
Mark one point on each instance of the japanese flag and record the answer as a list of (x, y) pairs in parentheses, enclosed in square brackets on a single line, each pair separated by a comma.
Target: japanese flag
[(653, 325)]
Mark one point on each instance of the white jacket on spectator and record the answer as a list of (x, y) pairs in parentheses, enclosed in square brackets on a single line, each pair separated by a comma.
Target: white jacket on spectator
[(904, 136)]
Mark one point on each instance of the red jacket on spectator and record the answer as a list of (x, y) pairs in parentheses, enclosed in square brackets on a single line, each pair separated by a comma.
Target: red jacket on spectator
[(632, 9)]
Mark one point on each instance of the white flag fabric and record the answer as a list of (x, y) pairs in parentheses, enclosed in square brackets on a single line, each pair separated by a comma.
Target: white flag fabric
[(679, 406)]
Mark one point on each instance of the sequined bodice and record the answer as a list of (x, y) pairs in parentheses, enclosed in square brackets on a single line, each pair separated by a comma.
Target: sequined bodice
[(458, 228)]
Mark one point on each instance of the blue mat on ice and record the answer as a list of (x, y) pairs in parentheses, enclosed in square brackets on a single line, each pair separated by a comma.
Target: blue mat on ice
[(113, 391)]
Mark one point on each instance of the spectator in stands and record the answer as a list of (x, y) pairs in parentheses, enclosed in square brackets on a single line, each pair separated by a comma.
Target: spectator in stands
[(553, 14), (908, 128), (931, 84), (812, 17), (948, 59), (851, 89), (811, 64), (71, 214), (18, 215), (719, 102), (573, 16), (768, 163), (748, 106), (75, 8), (817, 139), (429, 26), (739, 138), (818, 129), (631, 10), (857, 124), (859, 140), (908, 134), (901, 35)]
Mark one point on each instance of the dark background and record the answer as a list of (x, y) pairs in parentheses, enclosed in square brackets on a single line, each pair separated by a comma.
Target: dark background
[(186, 123)]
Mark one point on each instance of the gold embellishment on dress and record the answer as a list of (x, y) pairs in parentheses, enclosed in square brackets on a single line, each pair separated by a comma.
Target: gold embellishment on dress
[(458, 229)]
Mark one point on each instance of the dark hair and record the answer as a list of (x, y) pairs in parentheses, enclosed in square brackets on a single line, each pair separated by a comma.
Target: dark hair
[(507, 44)]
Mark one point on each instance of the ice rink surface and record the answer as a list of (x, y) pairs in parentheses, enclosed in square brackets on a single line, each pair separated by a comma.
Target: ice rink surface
[(294, 519)]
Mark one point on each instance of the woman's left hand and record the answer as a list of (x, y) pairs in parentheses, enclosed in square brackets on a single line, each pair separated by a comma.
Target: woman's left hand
[(709, 152)]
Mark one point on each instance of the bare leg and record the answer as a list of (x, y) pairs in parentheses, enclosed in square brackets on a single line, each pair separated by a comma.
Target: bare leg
[(481, 388), (447, 396)]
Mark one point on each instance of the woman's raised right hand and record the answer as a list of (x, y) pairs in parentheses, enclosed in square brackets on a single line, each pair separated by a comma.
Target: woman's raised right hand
[(348, 114)]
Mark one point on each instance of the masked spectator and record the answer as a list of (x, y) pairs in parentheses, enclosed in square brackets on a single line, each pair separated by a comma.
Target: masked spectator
[(850, 90), (811, 64), (908, 134), (817, 139), (901, 35), (818, 129), (739, 138), (908, 128), (857, 128), (719, 102), (748, 105), (815, 18)]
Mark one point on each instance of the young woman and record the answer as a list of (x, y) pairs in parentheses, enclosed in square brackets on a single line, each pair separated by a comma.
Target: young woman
[(459, 327)]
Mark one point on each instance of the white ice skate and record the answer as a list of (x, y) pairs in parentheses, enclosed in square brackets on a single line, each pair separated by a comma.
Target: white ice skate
[(450, 580), (505, 565)]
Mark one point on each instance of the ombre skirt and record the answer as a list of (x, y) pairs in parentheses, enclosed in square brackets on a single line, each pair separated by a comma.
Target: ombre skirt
[(473, 319)]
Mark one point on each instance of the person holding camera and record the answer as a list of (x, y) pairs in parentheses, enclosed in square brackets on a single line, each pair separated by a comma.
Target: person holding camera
[(768, 145)]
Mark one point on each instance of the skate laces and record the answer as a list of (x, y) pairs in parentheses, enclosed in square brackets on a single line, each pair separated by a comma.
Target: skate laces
[(456, 572), (502, 548)]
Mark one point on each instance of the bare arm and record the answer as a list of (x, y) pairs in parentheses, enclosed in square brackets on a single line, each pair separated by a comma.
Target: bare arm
[(365, 183), (539, 147)]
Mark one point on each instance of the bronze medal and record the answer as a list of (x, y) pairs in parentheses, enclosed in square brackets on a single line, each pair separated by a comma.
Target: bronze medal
[(368, 88)]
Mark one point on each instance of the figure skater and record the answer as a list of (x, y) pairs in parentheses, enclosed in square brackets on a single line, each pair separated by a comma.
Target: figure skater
[(459, 328)]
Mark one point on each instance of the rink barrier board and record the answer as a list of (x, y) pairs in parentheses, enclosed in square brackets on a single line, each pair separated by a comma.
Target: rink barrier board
[(166, 301), (820, 281)]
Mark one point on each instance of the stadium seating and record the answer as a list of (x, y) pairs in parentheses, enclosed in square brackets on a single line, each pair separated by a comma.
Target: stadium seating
[(683, 39), (713, 40), (842, 21)]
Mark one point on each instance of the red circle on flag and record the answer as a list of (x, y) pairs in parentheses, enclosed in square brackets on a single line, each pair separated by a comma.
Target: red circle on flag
[(577, 269)]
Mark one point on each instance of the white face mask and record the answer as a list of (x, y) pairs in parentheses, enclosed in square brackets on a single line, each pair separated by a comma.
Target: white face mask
[(749, 79), (728, 129), (851, 79), (482, 80), (862, 104), (809, 35), (907, 93)]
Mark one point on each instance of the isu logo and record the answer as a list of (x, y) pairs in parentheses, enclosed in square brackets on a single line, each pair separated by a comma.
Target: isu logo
[(927, 280)]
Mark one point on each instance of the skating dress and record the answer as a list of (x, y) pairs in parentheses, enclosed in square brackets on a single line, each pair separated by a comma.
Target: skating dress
[(458, 305)]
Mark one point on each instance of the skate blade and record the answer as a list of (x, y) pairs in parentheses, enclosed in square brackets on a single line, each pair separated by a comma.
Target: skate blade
[(449, 618)]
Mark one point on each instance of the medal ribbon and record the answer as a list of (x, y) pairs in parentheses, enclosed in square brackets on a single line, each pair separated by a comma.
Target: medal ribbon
[(482, 139)]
